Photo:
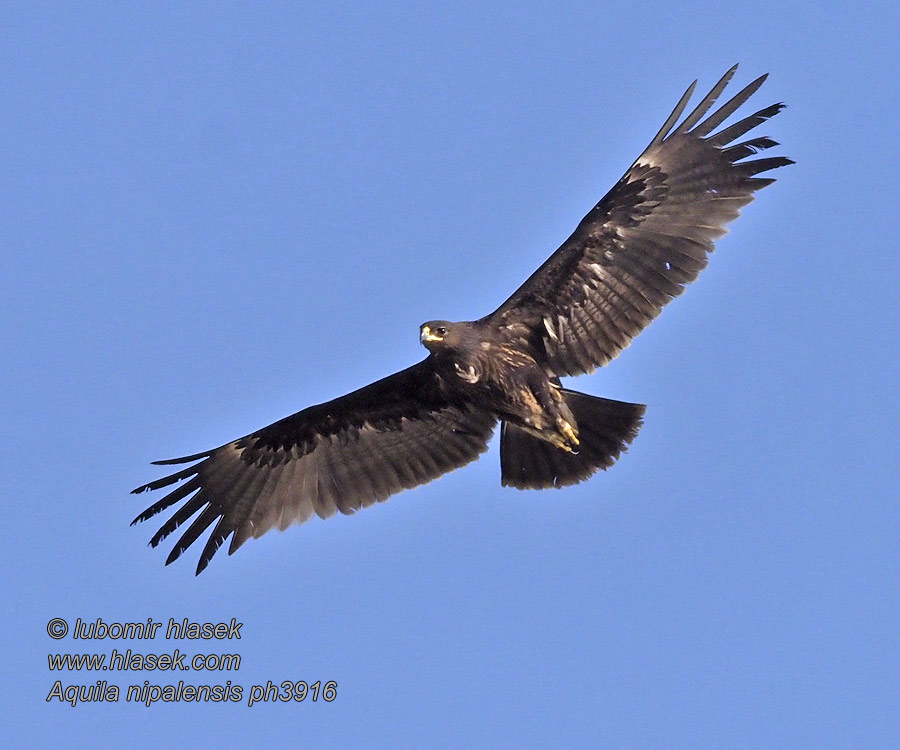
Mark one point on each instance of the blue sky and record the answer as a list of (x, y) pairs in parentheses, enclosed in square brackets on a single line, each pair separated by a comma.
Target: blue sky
[(215, 215)]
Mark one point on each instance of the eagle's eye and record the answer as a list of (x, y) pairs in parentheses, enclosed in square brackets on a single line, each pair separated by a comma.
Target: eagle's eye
[(440, 331)]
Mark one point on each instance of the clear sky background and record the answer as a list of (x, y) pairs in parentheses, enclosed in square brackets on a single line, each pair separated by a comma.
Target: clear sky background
[(214, 215)]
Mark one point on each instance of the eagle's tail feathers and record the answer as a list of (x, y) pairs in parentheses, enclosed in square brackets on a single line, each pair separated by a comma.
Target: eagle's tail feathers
[(605, 428)]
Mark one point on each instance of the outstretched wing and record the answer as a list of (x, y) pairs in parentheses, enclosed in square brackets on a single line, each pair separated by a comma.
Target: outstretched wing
[(646, 239), (342, 455)]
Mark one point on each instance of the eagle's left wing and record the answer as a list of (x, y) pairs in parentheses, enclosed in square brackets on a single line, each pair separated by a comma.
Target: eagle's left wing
[(345, 454), (647, 238)]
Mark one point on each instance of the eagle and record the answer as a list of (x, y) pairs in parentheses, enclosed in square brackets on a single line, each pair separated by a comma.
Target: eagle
[(634, 251)]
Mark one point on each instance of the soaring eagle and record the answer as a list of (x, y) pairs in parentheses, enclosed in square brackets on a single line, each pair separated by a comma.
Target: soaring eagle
[(637, 249)]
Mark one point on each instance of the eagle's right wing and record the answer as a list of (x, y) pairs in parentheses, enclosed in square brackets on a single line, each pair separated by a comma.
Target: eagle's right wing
[(647, 238)]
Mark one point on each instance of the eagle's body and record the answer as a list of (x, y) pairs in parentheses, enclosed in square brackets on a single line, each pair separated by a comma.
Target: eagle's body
[(634, 252), (501, 372)]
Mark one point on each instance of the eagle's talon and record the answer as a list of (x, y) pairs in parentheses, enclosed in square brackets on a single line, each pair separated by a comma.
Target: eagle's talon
[(569, 434)]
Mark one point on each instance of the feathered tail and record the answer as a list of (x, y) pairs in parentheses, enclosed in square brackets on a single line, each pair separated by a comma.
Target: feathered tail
[(605, 428)]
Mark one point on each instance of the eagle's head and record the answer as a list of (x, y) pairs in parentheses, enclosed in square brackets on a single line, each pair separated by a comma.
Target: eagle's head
[(441, 335)]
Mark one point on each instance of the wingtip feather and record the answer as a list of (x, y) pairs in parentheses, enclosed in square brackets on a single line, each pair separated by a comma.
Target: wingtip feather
[(182, 459), (703, 107)]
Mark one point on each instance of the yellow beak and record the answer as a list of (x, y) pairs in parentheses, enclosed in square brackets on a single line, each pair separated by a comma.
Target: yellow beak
[(427, 335)]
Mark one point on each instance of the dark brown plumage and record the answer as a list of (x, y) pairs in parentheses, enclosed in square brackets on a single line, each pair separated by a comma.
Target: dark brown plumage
[(635, 251)]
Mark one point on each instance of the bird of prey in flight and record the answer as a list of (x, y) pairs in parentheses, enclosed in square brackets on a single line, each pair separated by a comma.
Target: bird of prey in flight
[(634, 251)]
